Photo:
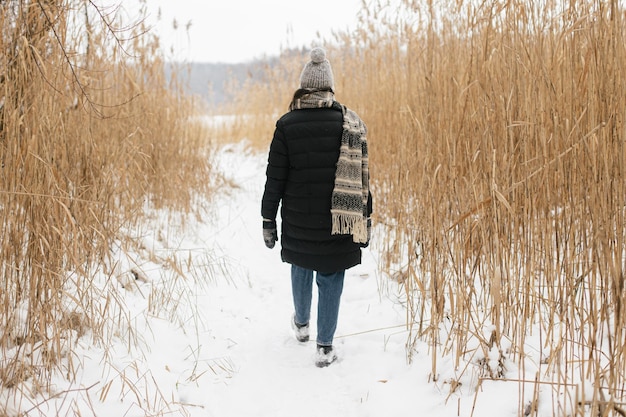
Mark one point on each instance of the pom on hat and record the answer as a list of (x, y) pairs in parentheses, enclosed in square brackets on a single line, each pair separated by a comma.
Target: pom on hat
[(317, 73), (318, 55)]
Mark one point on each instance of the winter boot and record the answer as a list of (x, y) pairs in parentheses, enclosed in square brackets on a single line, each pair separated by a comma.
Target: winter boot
[(325, 356), (301, 330)]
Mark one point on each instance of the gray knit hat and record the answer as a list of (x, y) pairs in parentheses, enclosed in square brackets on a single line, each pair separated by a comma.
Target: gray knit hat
[(317, 73)]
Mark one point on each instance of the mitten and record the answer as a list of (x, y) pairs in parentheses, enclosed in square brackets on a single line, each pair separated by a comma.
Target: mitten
[(270, 234)]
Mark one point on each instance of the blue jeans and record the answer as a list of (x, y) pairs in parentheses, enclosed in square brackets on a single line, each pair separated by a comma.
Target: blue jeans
[(329, 286)]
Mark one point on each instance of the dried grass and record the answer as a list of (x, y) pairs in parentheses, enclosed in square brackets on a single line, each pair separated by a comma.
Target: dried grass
[(91, 134), (498, 159)]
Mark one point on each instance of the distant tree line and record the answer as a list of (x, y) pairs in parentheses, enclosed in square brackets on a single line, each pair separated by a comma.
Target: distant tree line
[(214, 82)]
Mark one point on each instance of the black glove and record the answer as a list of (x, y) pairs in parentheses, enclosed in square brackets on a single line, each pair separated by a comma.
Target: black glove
[(270, 235)]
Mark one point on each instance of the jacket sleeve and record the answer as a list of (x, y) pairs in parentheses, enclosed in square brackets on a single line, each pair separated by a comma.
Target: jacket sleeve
[(276, 175)]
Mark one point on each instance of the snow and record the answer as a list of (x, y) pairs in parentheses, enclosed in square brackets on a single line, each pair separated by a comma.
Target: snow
[(200, 326)]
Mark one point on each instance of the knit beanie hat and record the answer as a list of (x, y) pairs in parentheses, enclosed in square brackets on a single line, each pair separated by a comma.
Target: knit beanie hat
[(317, 73)]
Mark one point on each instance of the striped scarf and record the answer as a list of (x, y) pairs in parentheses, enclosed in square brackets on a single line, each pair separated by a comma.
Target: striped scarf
[(351, 189), (349, 199)]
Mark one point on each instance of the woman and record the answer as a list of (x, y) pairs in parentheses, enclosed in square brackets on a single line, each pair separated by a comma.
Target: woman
[(318, 169)]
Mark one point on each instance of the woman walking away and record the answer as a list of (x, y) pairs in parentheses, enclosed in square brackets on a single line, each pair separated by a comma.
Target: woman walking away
[(318, 169)]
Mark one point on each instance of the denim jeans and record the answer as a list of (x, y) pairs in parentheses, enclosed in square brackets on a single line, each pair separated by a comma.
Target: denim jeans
[(329, 286)]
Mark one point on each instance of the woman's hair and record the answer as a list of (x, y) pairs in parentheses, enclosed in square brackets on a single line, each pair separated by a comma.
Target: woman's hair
[(301, 92)]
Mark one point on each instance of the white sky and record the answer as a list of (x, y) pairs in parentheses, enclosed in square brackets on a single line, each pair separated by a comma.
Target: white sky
[(241, 30)]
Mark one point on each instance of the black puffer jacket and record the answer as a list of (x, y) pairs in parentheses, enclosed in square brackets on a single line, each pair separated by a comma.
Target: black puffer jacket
[(301, 173)]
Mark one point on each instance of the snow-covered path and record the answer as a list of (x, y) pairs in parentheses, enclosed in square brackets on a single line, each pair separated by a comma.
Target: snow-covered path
[(199, 325), (271, 374), (210, 335)]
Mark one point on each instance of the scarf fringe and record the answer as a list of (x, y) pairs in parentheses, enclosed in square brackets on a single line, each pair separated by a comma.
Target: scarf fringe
[(345, 224)]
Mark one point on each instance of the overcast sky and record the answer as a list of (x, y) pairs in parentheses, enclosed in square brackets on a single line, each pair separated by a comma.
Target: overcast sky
[(241, 30)]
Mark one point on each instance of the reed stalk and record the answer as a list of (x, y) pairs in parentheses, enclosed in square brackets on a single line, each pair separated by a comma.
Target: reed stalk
[(496, 134), (92, 134)]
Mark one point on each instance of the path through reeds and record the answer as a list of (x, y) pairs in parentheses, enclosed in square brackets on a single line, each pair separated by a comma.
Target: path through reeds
[(498, 161)]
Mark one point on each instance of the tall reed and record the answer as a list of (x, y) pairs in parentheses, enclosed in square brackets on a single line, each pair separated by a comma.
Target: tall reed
[(91, 133), (498, 161)]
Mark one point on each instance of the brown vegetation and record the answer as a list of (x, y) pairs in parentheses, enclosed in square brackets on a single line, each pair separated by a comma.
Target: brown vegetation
[(498, 161), (91, 134)]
